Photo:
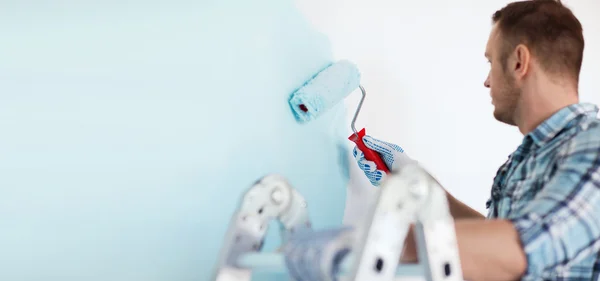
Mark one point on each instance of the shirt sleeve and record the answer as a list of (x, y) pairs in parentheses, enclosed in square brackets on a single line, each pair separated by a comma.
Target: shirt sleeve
[(562, 223)]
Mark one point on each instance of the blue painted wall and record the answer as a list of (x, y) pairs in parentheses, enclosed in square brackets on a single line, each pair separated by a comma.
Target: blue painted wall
[(130, 129)]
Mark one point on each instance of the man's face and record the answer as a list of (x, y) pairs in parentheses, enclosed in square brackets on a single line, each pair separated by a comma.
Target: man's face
[(501, 82)]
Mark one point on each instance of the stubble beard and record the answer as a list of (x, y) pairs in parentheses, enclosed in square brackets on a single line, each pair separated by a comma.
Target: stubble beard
[(506, 109)]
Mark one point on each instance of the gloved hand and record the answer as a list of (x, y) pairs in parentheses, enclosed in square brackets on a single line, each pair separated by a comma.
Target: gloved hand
[(392, 154)]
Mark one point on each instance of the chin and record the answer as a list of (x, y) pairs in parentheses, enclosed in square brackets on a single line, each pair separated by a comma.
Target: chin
[(498, 114), (496, 111), (503, 117)]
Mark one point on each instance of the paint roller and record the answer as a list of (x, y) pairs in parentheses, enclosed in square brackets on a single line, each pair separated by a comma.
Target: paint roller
[(323, 91)]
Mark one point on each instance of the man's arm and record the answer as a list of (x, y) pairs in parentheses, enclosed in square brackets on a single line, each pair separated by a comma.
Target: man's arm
[(460, 210), (565, 212), (488, 249)]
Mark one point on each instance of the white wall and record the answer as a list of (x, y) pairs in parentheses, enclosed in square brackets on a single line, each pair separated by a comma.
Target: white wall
[(423, 69)]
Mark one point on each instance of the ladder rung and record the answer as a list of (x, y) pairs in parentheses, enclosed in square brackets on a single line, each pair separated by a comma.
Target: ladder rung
[(275, 263)]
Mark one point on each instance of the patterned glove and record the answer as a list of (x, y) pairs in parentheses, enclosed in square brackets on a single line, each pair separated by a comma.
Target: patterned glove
[(392, 154)]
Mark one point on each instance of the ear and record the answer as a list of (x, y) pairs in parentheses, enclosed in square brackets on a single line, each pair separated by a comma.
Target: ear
[(522, 60)]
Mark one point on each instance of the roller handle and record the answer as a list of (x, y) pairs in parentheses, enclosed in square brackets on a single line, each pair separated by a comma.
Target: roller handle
[(370, 154)]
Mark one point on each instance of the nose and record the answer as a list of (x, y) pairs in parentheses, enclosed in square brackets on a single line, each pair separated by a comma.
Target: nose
[(486, 83)]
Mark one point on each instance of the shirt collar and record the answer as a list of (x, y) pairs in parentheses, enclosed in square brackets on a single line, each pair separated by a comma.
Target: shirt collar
[(563, 119)]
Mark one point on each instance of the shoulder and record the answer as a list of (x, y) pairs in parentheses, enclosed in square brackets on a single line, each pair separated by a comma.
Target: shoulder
[(583, 145)]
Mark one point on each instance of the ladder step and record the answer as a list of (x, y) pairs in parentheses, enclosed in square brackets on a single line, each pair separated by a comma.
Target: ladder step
[(274, 263)]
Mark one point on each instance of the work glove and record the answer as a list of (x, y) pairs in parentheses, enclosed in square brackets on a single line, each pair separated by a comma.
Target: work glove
[(392, 154)]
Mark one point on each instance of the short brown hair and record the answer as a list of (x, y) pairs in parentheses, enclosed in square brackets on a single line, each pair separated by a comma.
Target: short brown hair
[(550, 30)]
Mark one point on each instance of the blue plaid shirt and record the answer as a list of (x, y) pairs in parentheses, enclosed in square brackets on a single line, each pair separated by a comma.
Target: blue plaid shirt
[(550, 189)]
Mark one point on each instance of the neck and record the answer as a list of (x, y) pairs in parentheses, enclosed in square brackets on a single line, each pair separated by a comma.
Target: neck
[(541, 98)]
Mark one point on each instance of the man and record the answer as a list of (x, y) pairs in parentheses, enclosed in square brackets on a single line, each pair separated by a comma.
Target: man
[(544, 210)]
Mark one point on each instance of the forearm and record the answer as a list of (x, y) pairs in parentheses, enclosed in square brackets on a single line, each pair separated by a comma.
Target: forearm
[(460, 210), (489, 250)]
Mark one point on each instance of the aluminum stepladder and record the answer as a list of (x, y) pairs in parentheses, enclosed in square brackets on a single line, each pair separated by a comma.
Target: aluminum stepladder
[(270, 198), (408, 196)]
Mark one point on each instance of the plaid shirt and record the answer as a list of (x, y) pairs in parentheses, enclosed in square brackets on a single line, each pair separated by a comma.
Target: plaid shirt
[(549, 188)]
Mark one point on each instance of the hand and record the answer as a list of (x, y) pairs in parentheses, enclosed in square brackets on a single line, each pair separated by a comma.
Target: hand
[(392, 154)]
